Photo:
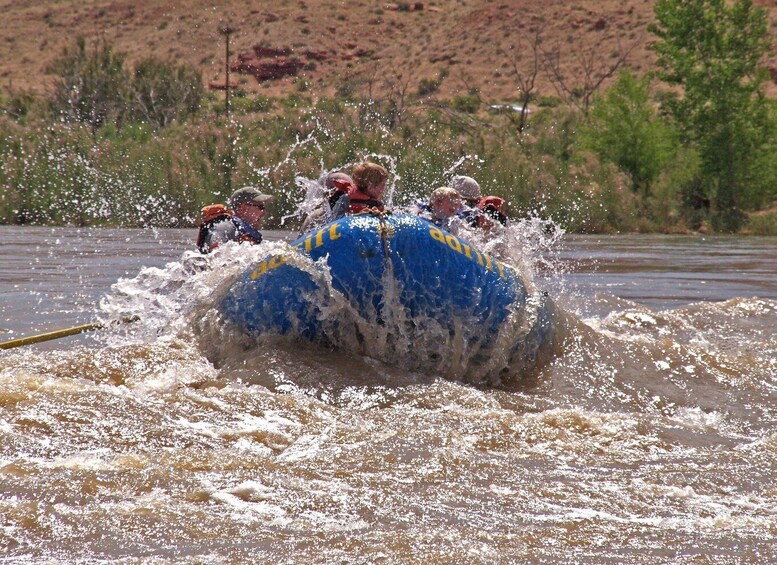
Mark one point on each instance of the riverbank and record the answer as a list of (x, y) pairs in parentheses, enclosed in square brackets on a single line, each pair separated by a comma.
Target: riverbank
[(136, 175), (581, 127)]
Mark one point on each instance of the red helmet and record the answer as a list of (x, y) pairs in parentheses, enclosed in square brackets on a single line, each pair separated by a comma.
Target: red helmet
[(492, 206)]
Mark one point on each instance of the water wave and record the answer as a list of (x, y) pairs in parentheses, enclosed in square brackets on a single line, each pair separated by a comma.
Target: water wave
[(648, 436)]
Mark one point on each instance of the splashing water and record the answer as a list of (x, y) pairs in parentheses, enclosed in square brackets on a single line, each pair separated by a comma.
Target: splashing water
[(463, 159), (651, 435), (173, 299), (183, 298)]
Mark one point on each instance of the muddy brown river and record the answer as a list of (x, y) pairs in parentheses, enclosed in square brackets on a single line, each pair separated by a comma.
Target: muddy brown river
[(650, 436)]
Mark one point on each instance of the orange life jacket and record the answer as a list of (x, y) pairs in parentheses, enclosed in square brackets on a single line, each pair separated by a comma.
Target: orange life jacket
[(209, 215), (214, 212)]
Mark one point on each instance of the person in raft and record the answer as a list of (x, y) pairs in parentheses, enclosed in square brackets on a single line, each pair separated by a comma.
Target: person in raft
[(478, 211), (334, 186), (240, 221), (369, 183), (469, 189), (445, 203), (492, 211)]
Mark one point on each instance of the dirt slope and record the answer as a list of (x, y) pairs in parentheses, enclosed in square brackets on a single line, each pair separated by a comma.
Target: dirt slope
[(336, 44)]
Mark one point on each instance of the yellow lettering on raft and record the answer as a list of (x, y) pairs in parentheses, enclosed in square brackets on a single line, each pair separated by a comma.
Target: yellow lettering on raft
[(268, 265), (437, 235), (454, 243), (259, 270), (276, 261), (319, 238)]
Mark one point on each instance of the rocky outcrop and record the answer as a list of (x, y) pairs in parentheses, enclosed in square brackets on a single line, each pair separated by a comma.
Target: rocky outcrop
[(215, 85), (271, 63)]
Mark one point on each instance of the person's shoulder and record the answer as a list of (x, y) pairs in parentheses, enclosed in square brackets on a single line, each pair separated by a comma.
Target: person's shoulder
[(224, 230), (423, 212), (224, 223), (340, 207), (469, 213), (214, 233)]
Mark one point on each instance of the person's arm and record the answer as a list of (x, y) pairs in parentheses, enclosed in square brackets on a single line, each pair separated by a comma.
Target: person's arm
[(341, 207), (317, 217)]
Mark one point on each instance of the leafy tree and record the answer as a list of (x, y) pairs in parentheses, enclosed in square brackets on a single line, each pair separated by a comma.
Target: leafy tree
[(625, 129), (92, 86), (161, 92), (711, 49)]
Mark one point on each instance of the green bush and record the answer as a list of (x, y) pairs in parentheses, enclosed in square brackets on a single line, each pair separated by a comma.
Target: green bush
[(761, 224), (92, 84), (469, 104), (135, 173), (549, 102), (161, 92), (18, 105), (624, 129)]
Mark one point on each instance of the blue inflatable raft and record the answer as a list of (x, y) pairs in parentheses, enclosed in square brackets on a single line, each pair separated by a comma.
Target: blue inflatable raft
[(388, 285)]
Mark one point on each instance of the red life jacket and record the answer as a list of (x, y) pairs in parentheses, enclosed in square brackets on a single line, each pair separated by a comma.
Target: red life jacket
[(340, 187), (360, 202)]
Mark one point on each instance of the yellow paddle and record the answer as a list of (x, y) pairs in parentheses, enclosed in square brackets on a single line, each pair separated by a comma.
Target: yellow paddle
[(60, 333)]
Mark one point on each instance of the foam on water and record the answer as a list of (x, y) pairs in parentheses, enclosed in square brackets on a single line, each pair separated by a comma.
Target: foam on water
[(178, 302), (648, 436)]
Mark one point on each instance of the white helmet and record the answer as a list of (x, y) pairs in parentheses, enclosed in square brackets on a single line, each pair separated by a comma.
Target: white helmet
[(466, 186)]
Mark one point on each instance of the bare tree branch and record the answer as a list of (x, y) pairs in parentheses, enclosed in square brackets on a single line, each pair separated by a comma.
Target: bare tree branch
[(592, 72), (525, 71)]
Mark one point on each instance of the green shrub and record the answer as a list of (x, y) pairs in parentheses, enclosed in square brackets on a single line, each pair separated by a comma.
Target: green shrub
[(761, 224), (133, 173), (469, 104), (161, 92), (18, 105), (92, 84), (549, 102), (624, 128)]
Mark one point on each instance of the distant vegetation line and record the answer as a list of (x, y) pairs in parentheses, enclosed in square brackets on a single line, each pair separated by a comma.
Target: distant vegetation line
[(690, 148)]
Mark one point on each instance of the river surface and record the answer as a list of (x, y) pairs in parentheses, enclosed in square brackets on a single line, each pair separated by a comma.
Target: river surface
[(650, 436)]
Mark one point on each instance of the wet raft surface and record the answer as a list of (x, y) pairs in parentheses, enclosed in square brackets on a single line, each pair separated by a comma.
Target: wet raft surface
[(395, 278)]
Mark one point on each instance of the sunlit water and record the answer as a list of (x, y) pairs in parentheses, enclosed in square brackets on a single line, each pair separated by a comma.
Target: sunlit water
[(650, 436)]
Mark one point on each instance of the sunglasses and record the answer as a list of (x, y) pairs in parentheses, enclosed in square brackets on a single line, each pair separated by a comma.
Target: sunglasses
[(260, 206)]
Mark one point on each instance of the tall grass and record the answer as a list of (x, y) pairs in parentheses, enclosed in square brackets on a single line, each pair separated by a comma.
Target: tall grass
[(138, 175)]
